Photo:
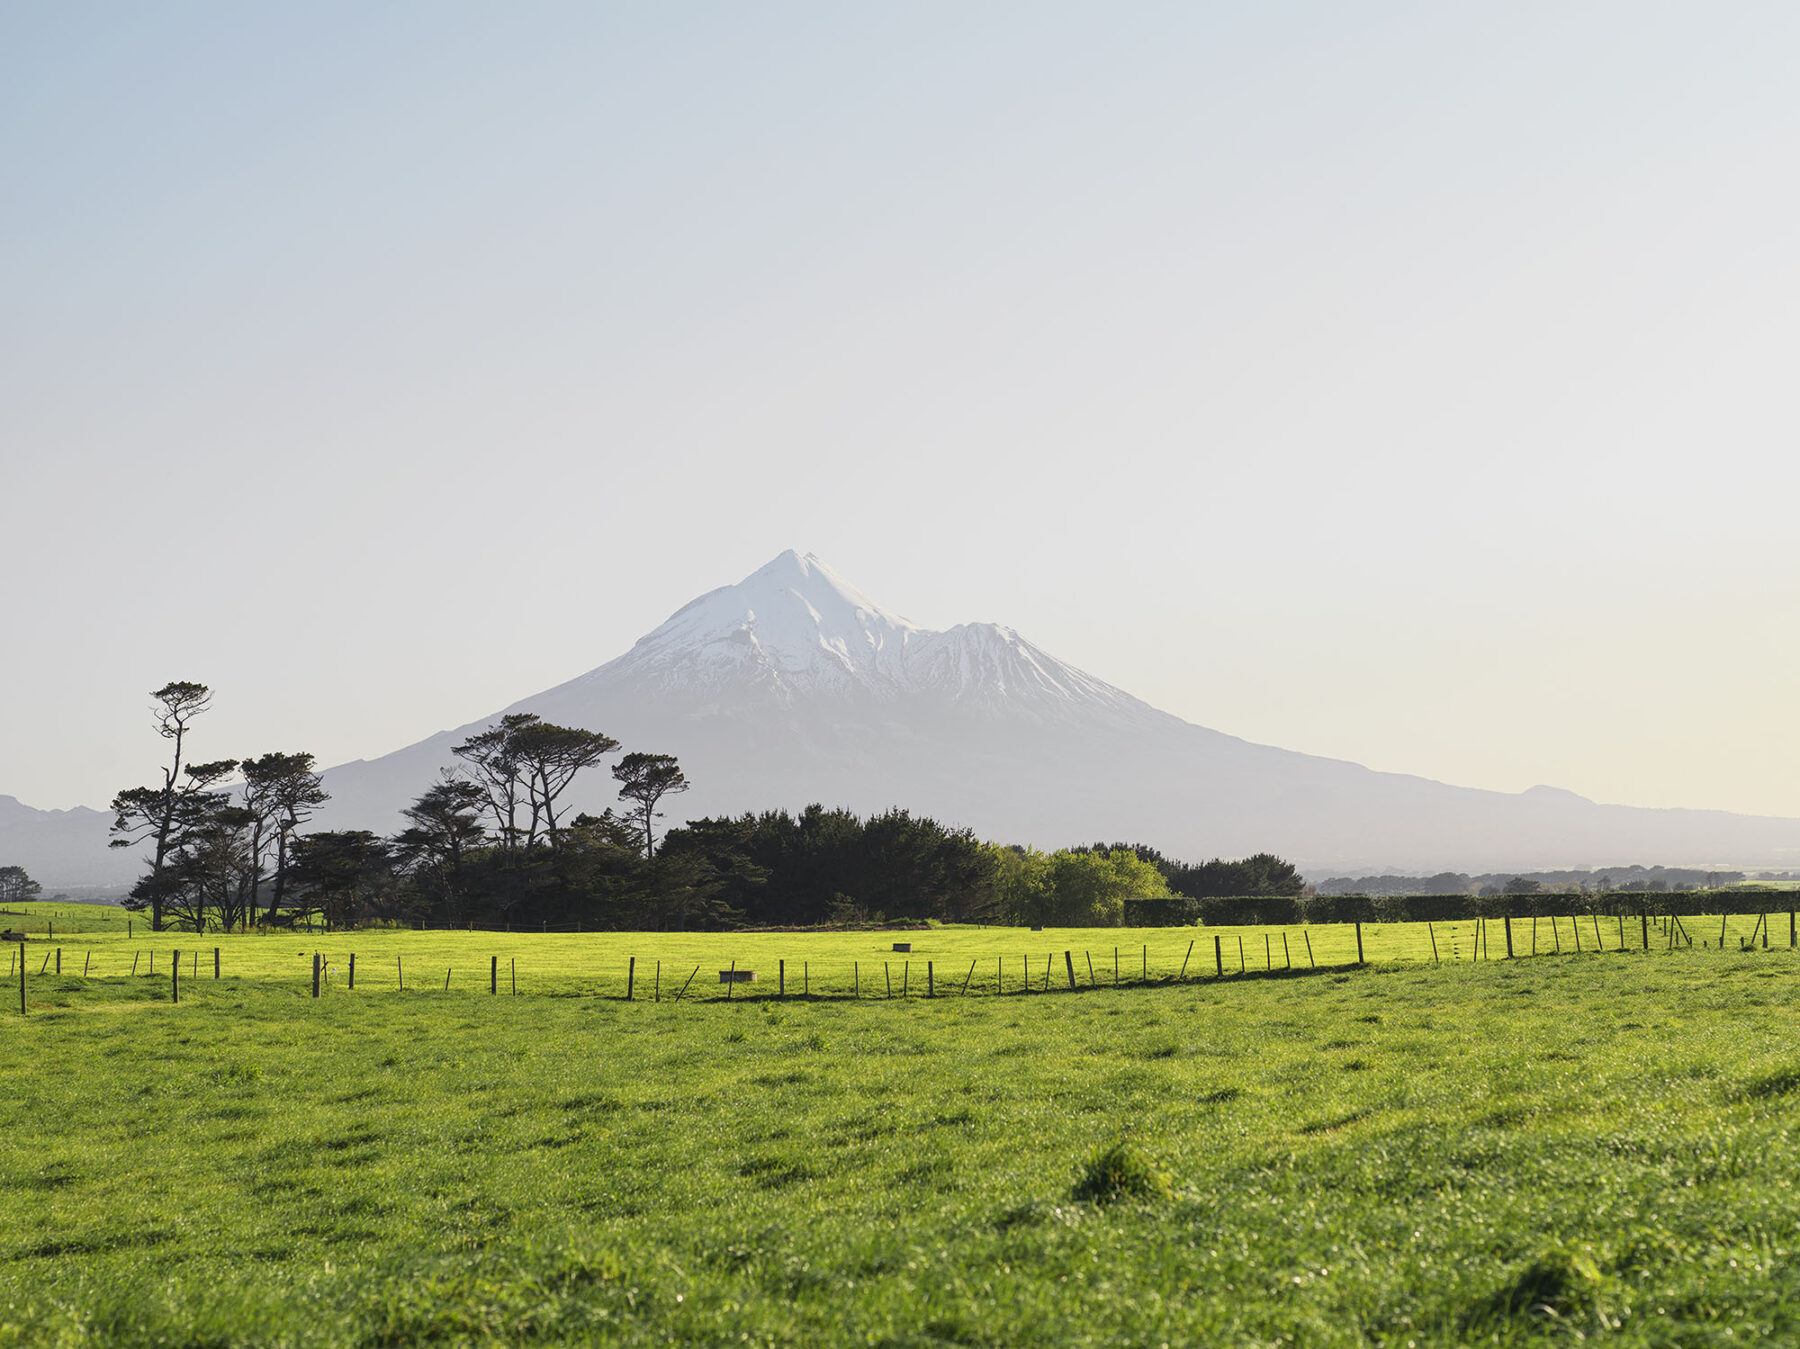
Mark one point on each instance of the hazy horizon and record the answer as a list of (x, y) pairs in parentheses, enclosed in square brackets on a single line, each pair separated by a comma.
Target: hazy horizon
[(1392, 384)]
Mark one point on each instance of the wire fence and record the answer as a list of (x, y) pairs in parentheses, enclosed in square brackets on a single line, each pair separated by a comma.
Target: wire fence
[(730, 971)]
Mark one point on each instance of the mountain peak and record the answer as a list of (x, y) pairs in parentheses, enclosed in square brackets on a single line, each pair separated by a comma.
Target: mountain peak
[(796, 630)]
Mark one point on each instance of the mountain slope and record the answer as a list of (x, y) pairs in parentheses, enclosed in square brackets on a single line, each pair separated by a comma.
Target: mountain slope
[(63, 848), (792, 686)]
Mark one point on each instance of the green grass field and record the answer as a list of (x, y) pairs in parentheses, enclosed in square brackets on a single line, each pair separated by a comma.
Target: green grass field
[(1541, 1151), (107, 943)]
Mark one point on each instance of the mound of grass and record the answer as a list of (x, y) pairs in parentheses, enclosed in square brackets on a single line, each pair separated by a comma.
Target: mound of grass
[(1121, 1170)]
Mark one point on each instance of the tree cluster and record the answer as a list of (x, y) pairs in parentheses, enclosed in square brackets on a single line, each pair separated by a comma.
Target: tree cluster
[(213, 853), (17, 887)]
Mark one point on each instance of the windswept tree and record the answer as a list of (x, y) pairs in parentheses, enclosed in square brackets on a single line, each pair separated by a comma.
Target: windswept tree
[(550, 757), (446, 826), (161, 816), (16, 887), (522, 766), (645, 779), (207, 879), (491, 759), (282, 792)]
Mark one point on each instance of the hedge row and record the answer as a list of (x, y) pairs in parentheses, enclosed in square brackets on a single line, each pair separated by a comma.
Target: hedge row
[(1276, 910)]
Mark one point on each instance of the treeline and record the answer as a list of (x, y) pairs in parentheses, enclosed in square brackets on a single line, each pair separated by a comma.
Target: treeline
[(229, 844), (1260, 911), (1632, 879)]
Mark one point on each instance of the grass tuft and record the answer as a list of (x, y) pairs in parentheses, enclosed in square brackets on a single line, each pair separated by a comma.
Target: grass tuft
[(1121, 1170)]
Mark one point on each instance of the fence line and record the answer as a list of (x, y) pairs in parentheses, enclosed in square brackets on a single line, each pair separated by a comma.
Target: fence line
[(1665, 932)]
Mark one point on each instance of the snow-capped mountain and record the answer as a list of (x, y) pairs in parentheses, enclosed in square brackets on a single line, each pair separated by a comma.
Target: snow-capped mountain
[(796, 633), (792, 686)]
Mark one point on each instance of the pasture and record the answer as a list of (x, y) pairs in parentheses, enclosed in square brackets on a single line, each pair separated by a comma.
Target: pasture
[(107, 943), (1577, 1147)]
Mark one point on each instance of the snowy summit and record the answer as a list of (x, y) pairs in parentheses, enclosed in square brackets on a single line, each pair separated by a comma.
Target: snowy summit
[(796, 631)]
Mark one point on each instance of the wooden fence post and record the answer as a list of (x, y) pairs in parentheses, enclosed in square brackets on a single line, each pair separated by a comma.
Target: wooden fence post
[(731, 982), (59, 961), (1644, 923), (1145, 976), (1509, 950), (1287, 956), (352, 970), (781, 978), (684, 987), (216, 967), (1115, 967), (1090, 961), (86, 960), (400, 972), (447, 972), (630, 977), (655, 989), (1184, 961), (1069, 961), (175, 976), (493, 975), (1218, 957), (971, 975), (856, 979), (316, 972)]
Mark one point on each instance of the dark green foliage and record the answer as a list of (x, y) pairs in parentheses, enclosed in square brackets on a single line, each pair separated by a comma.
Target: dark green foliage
[(1172, 911), (344, 876), (825, 865), (1259, 876), (16, 887)]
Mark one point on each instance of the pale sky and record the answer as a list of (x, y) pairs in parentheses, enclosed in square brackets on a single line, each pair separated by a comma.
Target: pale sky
[(1413, 384)]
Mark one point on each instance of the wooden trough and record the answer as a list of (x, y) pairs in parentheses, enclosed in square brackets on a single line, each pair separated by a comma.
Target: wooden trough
[(737, 976), (904, 947)]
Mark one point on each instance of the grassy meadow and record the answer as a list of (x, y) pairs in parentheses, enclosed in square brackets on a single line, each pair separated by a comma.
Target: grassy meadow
[(107, 943), (1550, 1151)]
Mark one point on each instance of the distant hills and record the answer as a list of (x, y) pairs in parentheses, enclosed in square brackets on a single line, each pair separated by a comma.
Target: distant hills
[(793, 686)]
